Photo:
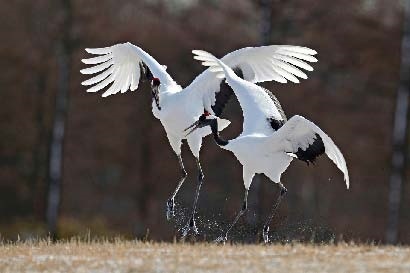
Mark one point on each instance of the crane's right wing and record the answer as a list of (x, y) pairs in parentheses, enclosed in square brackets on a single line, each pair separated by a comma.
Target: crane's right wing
[(304, 140), (255, 64), (121, 65)]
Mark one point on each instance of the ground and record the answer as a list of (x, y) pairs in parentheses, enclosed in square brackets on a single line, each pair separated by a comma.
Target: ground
[(134, 256)]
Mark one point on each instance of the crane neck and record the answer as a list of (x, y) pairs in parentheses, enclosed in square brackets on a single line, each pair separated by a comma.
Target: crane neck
[(215, 133)]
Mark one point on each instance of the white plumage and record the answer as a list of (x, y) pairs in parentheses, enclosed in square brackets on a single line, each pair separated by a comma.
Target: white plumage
[(268, 143), (121, 66)]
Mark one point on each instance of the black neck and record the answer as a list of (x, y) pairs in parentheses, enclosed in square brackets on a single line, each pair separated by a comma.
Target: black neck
[(156, 99), (215, 133)]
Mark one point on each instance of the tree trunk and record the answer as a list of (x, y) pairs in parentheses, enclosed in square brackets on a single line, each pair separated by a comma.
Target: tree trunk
[(400, 130), (266, 21), (39, 172), (57, 139), (265, 37)]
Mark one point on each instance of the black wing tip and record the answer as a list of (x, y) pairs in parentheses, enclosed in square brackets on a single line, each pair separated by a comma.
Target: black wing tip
[(312, 152)]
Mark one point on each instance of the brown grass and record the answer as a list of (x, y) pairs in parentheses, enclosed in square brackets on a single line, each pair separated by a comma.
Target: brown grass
[(134, 256)]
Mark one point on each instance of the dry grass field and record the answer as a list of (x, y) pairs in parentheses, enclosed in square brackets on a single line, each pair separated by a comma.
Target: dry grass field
[(134, 256)]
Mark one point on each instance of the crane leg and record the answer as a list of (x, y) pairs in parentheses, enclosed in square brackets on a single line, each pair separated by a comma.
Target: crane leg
[(191, 222), (265, 232), (171, 200), (223, 238)]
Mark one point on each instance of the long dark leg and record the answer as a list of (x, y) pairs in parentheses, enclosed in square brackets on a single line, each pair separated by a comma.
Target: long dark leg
[(265, 233), (244, 208), (191, 223), (171, 201)]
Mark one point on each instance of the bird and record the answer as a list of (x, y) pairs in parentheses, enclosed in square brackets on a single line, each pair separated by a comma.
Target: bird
[(123, 65), (269, 141)]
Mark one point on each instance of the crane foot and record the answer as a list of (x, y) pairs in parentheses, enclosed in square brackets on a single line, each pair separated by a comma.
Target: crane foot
[(170, 208), (265, 234), (190, 226)]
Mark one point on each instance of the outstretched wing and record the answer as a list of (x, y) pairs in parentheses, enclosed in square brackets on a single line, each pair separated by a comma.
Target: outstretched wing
[(306, 141), (255, 64), (121, 65)]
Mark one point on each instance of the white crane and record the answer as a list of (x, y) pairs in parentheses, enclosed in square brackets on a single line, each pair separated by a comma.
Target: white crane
[(268, 142), (175, 107)]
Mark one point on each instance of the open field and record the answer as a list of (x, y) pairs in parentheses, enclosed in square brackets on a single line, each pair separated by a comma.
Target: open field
[(132, 256)]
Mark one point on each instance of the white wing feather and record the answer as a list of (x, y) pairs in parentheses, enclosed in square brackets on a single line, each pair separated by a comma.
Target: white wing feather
[(280, 63), (120, 65), (264, 59), (299, 132)]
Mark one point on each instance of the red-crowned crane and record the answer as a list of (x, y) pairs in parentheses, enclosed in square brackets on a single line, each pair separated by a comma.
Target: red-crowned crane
[(268, 142), (123, 64)]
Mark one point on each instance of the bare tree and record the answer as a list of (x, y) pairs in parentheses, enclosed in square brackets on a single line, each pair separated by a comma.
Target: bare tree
[(266, 21), (39, 152), (63, 49), (265, 7), (400, 131)]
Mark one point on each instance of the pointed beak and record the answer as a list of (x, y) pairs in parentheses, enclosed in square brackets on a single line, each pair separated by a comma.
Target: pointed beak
[(192, 128)]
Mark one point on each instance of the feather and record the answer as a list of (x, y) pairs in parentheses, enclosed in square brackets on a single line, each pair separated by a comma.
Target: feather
[(97, 60), (298, 55), (99, 77), (99, 51), (294, 61), (101, 85), (97, 68)]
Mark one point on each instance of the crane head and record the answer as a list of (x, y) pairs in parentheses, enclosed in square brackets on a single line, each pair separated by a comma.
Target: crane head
[(155, 82)]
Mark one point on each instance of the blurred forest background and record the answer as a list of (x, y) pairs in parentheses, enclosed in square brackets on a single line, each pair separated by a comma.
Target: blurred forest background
[(118, 169)]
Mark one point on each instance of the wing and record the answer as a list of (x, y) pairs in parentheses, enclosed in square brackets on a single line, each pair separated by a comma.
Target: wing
[(304, 140), (256, 64), (121, 65)]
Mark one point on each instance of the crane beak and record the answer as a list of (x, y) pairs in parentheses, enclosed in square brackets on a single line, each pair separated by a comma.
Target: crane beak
[(204, 120), (192, 128), (200, 123)]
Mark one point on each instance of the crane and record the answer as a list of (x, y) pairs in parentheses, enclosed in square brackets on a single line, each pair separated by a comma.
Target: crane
[(268, 142), (122, 66)]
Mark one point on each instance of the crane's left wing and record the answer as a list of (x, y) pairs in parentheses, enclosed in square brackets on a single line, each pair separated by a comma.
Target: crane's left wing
[(122, 65), (304, 140), (279, 63)]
